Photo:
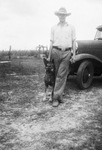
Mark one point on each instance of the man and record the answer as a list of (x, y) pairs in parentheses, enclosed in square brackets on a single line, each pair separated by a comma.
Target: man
[(62, 42)]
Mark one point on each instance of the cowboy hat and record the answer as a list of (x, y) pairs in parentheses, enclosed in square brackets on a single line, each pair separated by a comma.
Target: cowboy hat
[(62, 11)]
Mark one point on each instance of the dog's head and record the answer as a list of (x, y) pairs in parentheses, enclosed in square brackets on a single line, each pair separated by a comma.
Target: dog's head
[(49, 65)]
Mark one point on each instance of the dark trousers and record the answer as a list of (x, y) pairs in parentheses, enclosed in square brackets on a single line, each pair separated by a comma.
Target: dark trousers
[(62, 62)]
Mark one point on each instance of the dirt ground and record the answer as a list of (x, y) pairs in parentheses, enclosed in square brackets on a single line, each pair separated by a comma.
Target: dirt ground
[(28, 123)]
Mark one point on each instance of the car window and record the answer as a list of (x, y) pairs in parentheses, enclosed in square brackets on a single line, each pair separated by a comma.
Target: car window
[(98, 35)]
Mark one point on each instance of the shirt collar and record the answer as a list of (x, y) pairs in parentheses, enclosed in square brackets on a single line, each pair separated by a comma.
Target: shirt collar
[(63, 24)]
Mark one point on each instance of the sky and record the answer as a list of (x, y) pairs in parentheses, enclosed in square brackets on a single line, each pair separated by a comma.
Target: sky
[(24, 24)]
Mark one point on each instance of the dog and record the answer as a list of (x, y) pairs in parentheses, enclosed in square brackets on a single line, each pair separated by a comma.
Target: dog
[(49, 78)]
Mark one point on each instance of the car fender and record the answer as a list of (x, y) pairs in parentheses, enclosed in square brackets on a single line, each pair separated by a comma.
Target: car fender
[(81, 57)]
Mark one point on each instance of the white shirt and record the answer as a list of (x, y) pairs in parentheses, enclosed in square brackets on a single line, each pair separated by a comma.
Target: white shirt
[(63, 35)]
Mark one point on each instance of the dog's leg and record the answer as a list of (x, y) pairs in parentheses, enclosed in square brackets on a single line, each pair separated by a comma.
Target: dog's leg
[(63, 93), (45, 94), (51, 96)]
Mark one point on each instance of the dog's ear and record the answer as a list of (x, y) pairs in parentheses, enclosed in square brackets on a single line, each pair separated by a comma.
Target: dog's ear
[(53, 61), (45, 61)]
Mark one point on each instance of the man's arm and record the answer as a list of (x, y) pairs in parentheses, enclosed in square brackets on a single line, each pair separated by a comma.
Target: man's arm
[(74, 48), (73, 51), (51, 43), (50, 50), (73, 44)]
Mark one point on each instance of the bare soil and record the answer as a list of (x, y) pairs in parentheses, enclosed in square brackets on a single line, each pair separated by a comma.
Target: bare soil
[(28, 123)]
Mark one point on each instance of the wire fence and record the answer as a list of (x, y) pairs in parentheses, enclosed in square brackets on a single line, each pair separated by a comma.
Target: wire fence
[(10, 54)]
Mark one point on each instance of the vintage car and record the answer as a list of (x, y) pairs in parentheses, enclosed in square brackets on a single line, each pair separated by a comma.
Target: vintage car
[(88, 60)]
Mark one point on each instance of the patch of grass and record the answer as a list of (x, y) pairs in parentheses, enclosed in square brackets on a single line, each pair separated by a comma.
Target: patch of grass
[(27, 66)]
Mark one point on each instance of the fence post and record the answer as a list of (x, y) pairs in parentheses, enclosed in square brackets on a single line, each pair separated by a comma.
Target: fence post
[(9, 53)]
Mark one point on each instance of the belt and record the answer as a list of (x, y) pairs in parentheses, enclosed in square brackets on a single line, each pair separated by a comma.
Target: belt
[(67, 49)]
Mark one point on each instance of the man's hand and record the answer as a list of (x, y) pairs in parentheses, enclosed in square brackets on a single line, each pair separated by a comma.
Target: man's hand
[(72, 60), (48, 59)]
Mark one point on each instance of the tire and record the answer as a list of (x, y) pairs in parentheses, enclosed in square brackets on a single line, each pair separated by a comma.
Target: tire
[(85, 74)]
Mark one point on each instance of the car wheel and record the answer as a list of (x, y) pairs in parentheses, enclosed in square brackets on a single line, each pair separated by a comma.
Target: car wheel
[(85, 74)]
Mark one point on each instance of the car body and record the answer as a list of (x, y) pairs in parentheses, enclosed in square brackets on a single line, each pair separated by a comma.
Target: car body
[(88, 60)]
